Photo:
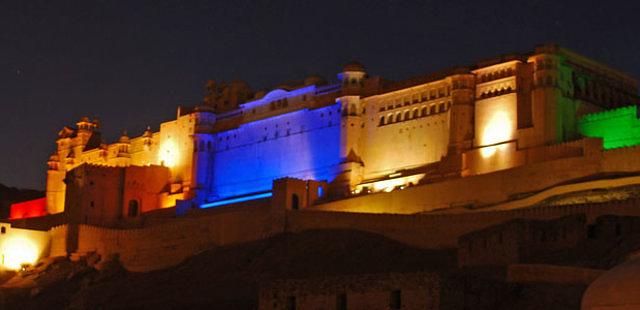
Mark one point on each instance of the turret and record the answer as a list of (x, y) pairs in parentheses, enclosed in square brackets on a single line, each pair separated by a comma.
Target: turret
[(203, 150), (352, 78), (55, 187), (123, 157)]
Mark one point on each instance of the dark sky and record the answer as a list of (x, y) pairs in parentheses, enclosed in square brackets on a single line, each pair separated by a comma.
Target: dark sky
[(132, 62)]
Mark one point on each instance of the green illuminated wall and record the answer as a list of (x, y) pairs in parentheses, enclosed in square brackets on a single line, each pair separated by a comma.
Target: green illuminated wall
[(618, 128)]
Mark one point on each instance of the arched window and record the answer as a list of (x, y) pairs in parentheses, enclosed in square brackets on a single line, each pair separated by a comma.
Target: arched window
[(415, 113), (432, 109), (389, 119), (381, 121), (398, 117), (407, 115), (133, 208), (295, 202), (424, 111)]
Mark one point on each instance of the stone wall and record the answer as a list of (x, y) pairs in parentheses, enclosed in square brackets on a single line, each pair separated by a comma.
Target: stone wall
[(539, 273), (442, 231), (520, 240), (163, 245), (373, 291)]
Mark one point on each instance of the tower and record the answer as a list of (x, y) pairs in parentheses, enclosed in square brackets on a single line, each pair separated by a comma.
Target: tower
[(461, 119), (351, 167), (203, 154)]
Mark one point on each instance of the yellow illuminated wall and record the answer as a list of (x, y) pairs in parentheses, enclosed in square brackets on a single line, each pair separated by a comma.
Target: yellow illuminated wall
[(20, 247), (405, 129), (495, 120)]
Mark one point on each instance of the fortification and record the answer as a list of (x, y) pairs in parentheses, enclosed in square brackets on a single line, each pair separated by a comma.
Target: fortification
[(423, 160)]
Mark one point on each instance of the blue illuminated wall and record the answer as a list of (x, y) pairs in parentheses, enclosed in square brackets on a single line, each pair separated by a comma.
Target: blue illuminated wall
[(302, 144)]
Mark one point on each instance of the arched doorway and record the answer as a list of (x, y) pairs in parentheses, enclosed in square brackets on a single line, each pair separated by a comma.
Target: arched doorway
[(133, 208), (295, 202)]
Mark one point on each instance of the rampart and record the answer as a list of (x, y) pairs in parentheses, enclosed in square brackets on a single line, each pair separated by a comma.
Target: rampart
[(163, 245), (443, 230)]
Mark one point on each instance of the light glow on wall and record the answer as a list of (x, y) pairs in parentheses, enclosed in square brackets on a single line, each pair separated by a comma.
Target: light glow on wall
[(390, 184), (235, 200), (498, 129), (27, 209), (489, 151), (303, 144), (618, 128), (17, 251), (169, 155)]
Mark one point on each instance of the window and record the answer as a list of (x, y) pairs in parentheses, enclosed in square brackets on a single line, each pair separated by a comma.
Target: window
[(424, 111), (407, 115), (395, 299), (133, 208), (3, 230), (389, 119), (415, 113), (320, 191), (398, 117), (591, 232), (92, 204), (291, 303), (341, 302), (295, 202), (381, 121), (432, 109)]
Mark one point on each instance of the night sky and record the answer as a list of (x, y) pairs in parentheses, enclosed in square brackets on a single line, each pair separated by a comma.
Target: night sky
[(131, 63)]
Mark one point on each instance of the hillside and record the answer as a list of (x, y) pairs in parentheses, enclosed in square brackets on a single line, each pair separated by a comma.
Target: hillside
[(227, 277)]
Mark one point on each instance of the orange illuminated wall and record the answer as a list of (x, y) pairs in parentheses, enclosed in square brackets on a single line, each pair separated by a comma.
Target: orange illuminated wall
[(31, 208)]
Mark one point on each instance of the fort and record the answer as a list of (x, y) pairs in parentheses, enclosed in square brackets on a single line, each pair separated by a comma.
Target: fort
[(544, 141)]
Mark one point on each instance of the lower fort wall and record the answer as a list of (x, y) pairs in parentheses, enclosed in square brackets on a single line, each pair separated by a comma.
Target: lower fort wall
[(499, 186), (164, 245), (541, 273), (442, 231), (369, 291)]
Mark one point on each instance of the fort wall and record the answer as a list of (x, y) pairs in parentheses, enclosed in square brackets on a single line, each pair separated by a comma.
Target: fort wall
[(540, 273), (442, 231), (167, 244), (374, 291)]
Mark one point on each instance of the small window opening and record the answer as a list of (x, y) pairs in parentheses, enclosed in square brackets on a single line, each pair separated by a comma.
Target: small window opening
[(395, 299)]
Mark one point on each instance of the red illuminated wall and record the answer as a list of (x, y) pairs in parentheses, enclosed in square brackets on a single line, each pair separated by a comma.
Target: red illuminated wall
[(31, 208)]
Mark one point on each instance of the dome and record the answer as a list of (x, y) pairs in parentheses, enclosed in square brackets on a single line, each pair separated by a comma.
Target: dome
[(124, 138), (353, 66), (148, 133), (54, 157), (616, 289)]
